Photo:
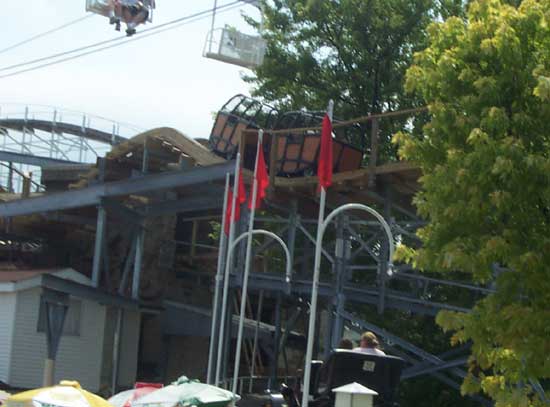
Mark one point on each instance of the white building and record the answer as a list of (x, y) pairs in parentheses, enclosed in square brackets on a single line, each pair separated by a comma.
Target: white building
[(85, 351)]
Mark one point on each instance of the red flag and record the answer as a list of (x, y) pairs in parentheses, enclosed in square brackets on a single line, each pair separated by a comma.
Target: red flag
[(262, 179), (241, 198), (325, 163)]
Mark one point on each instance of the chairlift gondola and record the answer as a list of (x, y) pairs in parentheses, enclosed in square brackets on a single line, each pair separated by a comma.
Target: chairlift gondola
[(130, 12), (231, 46)]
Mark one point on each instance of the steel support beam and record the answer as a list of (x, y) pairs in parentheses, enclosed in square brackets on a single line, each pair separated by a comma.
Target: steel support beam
[(192, 204), (86, 292), (276, 340), (341, 256), (92, 195), (362, 295), (122, 213), (410, 373), (127, 265), (140, 238), (98, 249), (293, 221), (33, 160), (382, 262)]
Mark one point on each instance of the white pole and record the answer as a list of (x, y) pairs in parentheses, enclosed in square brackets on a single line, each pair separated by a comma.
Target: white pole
[(247, 267), (212, 26), (227, 267), (315, 286), (217, 287)]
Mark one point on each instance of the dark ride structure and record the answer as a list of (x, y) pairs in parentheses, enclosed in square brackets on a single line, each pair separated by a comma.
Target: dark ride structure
[(150, 209)]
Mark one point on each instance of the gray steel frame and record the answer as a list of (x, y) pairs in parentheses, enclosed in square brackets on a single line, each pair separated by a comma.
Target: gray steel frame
[(341, 290), (93, 195), (338, 290)]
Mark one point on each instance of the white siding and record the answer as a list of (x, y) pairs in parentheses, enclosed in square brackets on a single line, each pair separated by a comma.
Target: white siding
[(78, 357), (129, 343), (7, 316)]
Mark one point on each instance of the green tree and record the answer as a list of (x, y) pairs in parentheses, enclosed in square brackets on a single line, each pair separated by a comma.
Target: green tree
[(485, 160), (353, 51)]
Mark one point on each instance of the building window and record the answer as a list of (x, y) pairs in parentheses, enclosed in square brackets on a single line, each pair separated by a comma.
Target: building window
[(71, 326)]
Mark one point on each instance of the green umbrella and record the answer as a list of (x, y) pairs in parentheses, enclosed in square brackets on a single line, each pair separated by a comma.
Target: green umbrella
[(185, 392)]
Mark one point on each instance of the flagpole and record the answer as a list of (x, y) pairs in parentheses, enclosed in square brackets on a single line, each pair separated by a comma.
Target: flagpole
[(246, 267), (218, 285), (227, 267), (315, 286)]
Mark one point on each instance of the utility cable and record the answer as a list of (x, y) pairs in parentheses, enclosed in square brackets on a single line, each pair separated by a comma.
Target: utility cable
[(45, 33), (151, 31), (59, 61)]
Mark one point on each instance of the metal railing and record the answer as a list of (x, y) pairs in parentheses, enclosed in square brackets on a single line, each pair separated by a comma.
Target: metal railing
[(70, 136)]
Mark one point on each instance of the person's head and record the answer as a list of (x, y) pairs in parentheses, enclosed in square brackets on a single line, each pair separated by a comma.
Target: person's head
[(345, 343), (369, 340)]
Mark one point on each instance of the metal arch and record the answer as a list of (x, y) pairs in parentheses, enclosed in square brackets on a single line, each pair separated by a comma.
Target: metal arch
[(373, 212), (267, 233), (316, 271), (249, 235)]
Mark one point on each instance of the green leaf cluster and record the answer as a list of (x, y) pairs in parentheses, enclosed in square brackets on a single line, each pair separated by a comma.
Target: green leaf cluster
[(485, 161), (355, 52)]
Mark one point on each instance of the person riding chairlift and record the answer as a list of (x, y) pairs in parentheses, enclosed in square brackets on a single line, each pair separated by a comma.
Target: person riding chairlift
[(132, 12)]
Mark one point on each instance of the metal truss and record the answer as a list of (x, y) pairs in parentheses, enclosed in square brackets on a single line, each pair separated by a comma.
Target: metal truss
[(32, 139), (353, 272), (354, 255)]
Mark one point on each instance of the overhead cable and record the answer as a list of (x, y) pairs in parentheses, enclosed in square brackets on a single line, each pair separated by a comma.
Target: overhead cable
[(45, 33), (118, 40)]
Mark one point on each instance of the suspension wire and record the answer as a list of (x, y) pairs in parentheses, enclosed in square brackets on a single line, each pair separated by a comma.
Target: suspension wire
[(151, 31), (45, 33), (212, 25), (59, 61)]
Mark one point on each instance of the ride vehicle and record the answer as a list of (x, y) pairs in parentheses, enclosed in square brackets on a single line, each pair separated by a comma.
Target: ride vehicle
[(379, 373), (295, 136), (131, 12)]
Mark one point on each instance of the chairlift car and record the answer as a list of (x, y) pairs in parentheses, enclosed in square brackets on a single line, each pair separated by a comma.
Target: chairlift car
[(379, 373), (234, 47), (131, 12)]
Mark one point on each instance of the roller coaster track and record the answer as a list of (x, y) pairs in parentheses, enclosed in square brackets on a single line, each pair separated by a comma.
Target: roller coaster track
[(66, 128), (38, 137)]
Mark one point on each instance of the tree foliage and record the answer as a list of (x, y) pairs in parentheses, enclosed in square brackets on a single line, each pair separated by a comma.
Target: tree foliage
[(486, 186), (353, 51)]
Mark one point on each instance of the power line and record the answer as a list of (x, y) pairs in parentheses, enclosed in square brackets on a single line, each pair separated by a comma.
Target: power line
[(45, 33), (59, 61), (143, 34)]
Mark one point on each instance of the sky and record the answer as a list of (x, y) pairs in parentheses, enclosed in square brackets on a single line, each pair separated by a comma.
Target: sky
[(162, 80)]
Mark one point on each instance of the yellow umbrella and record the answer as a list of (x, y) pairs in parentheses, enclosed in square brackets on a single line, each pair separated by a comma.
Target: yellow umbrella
[(66, 394)]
